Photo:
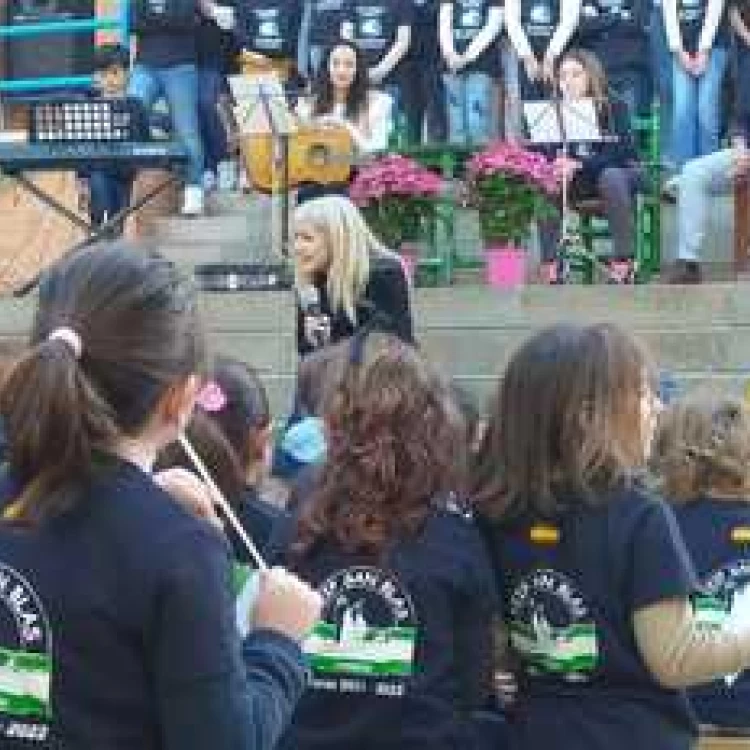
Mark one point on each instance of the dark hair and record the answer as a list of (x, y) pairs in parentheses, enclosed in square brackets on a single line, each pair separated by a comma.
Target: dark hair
[(702, 445), (318, 374), (394, 448), (566, 423), (356, 102), (229, 439), (111, 56), (141, 335)]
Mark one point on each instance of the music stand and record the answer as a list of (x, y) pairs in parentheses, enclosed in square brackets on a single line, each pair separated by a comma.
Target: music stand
[(556, 122), (261, 109)]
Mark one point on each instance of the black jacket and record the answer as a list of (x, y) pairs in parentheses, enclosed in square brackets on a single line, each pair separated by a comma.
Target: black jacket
[(386, 294)]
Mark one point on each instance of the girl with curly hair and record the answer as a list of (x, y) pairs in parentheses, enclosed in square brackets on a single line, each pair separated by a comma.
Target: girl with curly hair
[(401, 656)]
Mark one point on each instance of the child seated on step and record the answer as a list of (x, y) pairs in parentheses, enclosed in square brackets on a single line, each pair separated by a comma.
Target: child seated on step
[(702, 455), (231, 429), (105, 191)]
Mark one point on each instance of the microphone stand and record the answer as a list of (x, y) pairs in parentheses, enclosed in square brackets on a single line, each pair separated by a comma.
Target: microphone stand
[(280, 141), (567, 239)]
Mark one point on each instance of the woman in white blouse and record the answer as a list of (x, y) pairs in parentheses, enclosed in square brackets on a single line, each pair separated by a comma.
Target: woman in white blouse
[(698, 39), (342, 96)]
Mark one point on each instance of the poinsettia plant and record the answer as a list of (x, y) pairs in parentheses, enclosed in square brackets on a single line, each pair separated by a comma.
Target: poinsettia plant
[(510, 186), (396, 195)]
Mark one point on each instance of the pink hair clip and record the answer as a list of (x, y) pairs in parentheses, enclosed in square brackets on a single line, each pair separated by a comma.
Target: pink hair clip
[(211, 397)]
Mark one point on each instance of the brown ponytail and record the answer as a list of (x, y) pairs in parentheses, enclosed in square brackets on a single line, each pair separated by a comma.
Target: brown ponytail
[(139, 331)]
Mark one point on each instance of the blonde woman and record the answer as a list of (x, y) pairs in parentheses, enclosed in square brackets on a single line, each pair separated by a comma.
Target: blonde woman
[(344, 277)]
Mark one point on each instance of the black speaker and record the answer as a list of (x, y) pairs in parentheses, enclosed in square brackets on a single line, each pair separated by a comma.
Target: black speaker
[(48, 55)]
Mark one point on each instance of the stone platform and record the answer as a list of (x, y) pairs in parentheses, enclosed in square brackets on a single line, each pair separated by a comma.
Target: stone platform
[(700, 334)]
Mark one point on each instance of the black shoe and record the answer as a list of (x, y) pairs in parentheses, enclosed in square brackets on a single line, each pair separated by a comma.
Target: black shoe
[(686, 272)]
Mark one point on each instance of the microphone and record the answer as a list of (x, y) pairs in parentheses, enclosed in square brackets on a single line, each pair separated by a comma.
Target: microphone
[(318, 329)]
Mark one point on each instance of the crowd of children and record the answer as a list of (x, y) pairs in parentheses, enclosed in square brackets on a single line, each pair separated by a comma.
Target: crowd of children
[(573, 565)]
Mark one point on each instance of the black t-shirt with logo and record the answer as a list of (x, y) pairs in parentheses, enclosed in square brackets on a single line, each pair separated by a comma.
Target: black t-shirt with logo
[(616, 30), (717, 534), (270, 27), (690, 15), (375, 23), (326, 17), (570, 588), (402, 648), (539, 19), (166, 32), (117, 617), (469, 18)]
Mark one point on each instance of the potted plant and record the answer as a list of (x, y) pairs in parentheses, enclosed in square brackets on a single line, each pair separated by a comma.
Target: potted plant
[(510, 187), (396, 195)]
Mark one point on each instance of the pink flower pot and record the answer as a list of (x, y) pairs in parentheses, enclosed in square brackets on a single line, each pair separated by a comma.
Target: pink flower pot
[(505, 267)]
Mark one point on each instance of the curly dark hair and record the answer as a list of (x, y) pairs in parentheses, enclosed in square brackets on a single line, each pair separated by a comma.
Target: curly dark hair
[(395, 444), (322, 90)]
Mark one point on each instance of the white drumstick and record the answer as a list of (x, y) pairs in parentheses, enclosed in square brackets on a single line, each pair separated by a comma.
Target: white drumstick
[(221, 501)]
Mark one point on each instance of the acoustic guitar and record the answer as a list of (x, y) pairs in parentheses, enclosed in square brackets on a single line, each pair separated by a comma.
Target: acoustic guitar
[(252, 64), (321, 155)]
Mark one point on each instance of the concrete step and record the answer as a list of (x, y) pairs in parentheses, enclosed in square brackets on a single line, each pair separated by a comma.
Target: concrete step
[(701, 334)]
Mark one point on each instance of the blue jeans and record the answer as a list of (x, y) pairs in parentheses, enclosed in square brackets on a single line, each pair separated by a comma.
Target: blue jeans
[(661, 75), (472, 107), (108, 195), (696, 118), (210, 87), (179, 86)]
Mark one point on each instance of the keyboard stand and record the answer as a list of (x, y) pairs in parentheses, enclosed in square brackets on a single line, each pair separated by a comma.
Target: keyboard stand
[(94, 233)]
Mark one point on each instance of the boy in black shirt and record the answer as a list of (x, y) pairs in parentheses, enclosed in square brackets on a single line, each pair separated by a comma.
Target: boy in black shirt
[(106, 190)]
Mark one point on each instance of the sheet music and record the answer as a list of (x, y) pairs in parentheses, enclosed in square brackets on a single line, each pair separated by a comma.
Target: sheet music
[(258, 96), (579, 121), (541, 122)]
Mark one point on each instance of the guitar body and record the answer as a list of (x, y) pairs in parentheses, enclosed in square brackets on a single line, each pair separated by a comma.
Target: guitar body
[(253, 65), (323, 156)]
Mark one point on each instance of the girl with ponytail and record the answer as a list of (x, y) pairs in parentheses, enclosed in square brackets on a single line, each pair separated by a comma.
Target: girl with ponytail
[(116, 618)]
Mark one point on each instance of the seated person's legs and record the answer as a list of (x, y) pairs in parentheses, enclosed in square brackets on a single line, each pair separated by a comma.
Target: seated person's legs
[(616, 187), (700, 179)]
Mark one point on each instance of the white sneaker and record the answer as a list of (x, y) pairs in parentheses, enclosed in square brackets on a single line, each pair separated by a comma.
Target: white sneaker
[(192, 201), (227, 176)]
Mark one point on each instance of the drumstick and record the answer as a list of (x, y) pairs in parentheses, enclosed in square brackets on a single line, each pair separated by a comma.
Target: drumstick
[(221, 501)]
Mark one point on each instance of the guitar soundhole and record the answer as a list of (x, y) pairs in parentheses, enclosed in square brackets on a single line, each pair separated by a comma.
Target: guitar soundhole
[(319, 155)]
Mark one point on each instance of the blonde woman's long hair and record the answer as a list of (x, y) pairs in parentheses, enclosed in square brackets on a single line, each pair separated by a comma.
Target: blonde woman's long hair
[(352, 246)]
